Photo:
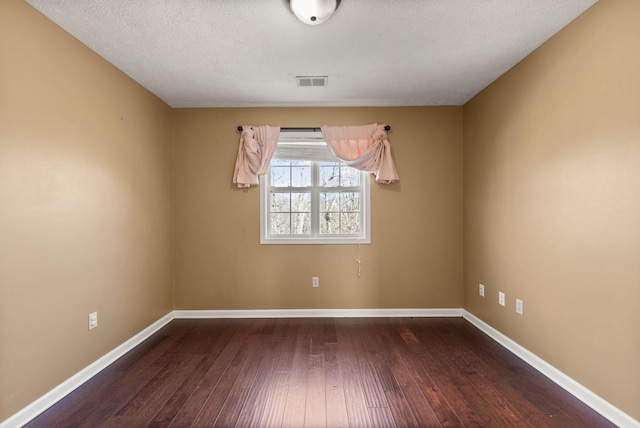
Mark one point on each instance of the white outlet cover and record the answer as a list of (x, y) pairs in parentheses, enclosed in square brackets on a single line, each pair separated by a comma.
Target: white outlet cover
[(93, 320), (501, 299), (481, 289), (520, 306)]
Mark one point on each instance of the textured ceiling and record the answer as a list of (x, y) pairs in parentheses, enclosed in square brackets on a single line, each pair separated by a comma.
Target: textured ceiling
[(247, 53)]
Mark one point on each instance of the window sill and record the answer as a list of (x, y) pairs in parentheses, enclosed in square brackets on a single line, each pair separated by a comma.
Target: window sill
[(314, 241)]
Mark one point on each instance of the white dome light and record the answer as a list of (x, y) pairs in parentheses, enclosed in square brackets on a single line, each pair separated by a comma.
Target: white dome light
[(313, 12)]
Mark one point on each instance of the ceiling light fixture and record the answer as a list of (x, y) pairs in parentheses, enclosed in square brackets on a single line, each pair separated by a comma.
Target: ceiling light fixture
[(313, 12)]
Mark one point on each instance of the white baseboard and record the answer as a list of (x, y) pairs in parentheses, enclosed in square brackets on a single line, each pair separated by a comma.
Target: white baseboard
[(322, 313), (585, 395), (59, 392), (594, 401)]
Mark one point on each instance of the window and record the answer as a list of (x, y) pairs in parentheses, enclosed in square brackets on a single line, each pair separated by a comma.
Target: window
[(309, 196)]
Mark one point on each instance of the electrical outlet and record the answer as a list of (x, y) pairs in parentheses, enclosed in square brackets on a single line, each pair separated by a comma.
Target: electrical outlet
[(481, 289), (93, 320), (501, 299), (520, 306), (315, 282)]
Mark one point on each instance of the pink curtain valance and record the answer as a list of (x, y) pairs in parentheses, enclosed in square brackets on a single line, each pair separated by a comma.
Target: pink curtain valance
[(365, 148), (255, 150)]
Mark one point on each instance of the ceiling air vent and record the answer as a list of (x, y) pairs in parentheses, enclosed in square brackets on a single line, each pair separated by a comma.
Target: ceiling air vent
[(312, 80)]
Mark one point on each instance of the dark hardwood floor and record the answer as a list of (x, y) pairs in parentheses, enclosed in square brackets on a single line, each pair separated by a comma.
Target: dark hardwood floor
[(345, 372)]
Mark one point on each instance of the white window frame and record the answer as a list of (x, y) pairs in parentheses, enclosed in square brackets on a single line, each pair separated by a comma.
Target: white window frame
[(364, 237)]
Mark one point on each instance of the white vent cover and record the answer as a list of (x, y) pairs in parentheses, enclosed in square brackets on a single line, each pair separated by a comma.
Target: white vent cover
[(312, 80)]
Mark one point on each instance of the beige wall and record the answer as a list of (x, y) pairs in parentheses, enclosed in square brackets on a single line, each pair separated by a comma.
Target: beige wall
[(552, 202), (85, 206), (414, 260)]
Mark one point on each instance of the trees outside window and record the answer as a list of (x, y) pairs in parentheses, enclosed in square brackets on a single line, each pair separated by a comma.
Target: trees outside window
[(314, 201)]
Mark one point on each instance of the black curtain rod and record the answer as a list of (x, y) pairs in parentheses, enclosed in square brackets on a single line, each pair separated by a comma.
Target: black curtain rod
[(386, 128)]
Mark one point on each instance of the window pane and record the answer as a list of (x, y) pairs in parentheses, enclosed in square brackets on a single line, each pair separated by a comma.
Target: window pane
[(313, 201), (280, 176), (329, 174), (301, 202), (300, 163), (350, 201), (280, 202), (350, 223), (329, 201), (349, 177), (301, 176), (301, 223), (329, 223), (280, 223)]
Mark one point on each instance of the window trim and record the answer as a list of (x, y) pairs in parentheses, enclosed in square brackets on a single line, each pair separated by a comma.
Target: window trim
[(363, 238)]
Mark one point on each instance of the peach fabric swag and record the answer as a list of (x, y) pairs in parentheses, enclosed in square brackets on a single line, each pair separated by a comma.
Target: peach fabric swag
[(365, 148), (255, 150)]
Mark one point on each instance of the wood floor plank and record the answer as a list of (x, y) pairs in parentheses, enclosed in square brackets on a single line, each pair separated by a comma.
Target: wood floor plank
[(357, 411), (223, 403), (330, 332), (150, 398), (282, 330), (334, 387), (470, 406), (137, 370), (77, 407), (398, 405), (453, 389), (361, 337), (542, 394), (242, 387), (401, 410), (275, 404), (406, 379), (295, 405), (299, 362), (498, 403), (219, 339), (315, 414), (269, 327), (502, 395), (231, 409), (405, 332), (262, 387), (228, 347), (317, 338), (290, 342), (441, 407), (381, 417), (273, 412), (346, 372)]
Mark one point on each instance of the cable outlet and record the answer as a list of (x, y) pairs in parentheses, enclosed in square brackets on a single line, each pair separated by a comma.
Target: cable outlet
[(520, 306), (481, 289), (501, 299), (315, 282), (93, 320)]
